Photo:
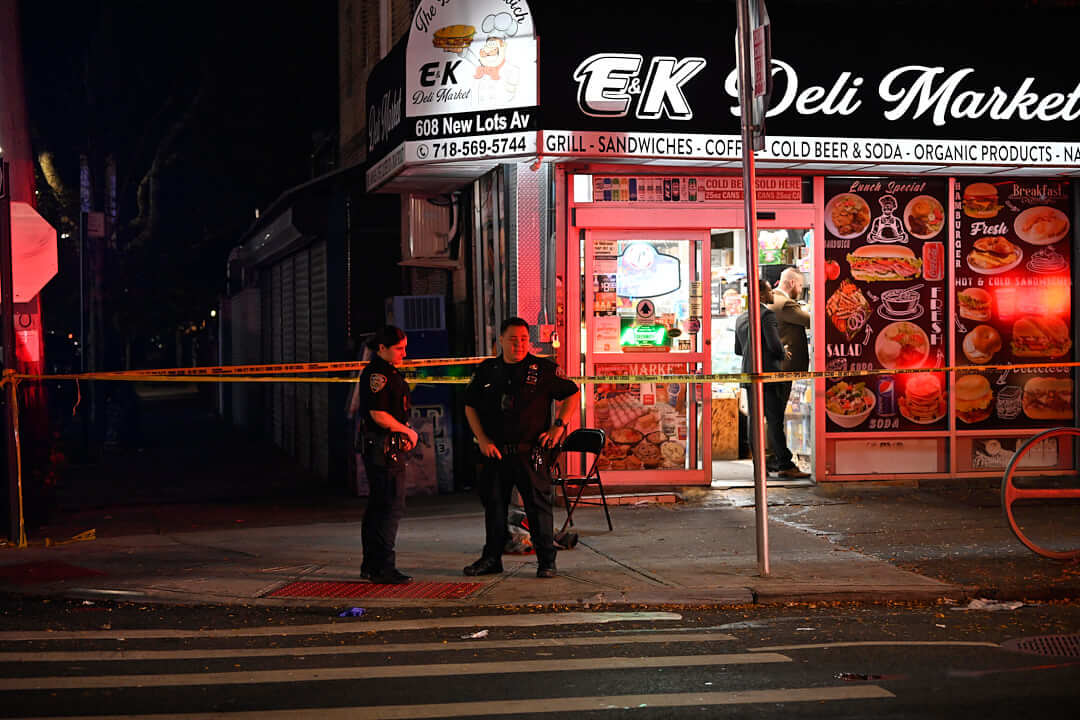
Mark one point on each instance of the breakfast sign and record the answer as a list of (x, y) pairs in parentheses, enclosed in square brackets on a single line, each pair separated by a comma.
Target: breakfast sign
[(885, 252), (1014, 299)]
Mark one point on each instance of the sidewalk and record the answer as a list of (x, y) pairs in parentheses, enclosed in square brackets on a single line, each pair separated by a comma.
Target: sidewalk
[(825, 545), (192, 511)]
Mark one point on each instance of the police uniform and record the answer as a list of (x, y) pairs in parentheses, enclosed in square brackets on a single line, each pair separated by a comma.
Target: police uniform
[(382, 388), (513, 402)]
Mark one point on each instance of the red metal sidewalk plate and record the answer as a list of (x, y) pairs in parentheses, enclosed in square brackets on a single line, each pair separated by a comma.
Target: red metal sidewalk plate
[(426, 590), (42, 572)]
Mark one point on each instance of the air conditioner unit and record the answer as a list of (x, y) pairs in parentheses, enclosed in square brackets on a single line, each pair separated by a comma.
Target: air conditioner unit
[(416, 312)]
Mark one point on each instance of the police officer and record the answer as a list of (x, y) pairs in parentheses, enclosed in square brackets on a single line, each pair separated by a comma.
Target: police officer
[(508, 406), (387, 437)]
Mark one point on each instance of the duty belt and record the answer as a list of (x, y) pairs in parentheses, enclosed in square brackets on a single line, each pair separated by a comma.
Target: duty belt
[(516, 448)]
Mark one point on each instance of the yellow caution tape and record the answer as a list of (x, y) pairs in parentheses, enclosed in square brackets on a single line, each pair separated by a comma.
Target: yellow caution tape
[(274, 373), (279, 368)]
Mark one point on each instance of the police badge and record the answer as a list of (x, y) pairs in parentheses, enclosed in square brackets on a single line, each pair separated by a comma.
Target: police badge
[(377, 382)]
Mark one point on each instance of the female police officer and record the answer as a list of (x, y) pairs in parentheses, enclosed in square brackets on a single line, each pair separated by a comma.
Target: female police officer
[(384, 411)]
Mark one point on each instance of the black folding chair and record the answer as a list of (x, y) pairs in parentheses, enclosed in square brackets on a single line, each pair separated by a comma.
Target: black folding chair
[(588, 441)]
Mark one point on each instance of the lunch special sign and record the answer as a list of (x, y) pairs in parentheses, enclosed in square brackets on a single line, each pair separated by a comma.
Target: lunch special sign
[(1014, 299), (885, 305)]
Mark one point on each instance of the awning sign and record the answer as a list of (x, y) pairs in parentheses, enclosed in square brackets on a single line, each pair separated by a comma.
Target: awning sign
[(468, 56)]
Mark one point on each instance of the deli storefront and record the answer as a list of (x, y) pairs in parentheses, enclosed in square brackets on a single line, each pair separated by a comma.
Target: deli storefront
[(928, 198)]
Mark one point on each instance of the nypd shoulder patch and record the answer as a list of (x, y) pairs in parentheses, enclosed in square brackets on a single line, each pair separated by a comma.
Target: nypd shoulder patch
[(377, 382)]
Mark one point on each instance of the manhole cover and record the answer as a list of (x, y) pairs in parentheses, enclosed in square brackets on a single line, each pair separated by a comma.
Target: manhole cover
[(430, 590), (1056, 645)]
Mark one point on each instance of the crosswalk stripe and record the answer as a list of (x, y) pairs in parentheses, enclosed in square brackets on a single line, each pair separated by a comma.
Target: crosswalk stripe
[(361, 626), (877, 643), (470, 646), (250, 677), (534, 706)]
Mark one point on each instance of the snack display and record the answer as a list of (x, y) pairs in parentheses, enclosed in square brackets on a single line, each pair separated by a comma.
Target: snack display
[(981, 344), (1040, 336), (994, 254), (640, 418), (923, 401), (623, 410), (626, 436), (924, 216), (847, 215), (1041, 225), (648, 453), (974, 304), (884, 262), (902, 345), (973, 398), (1048, 398), (848, 309), (674, 453), (981, 200)]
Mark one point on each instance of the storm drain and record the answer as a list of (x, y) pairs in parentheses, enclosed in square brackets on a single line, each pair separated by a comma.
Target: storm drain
[(423, 590), (1056, 645)]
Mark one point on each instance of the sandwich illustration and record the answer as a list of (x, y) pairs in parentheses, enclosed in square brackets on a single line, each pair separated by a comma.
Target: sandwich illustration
[(884, 262), (974, 304), (1048, 398), (981, 200), (993, 253), (1034, 336), (981, 344), (973, 398), (453, 38), (922, 401)]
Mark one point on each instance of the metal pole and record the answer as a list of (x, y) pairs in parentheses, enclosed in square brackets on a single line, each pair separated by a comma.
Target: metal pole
[(7, 311), (756, 419), (82, 292)]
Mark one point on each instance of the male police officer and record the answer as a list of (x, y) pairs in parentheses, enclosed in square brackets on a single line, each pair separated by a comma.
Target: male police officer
[(508, 406), (384, 409)]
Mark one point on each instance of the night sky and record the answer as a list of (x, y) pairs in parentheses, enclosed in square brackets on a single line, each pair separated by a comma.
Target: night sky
[(258, 84)]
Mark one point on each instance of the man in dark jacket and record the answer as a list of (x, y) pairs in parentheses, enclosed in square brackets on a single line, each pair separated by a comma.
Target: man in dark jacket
[(792, 321), (773, 354)]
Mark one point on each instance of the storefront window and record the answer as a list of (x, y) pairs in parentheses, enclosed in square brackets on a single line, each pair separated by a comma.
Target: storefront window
[(642, 296)]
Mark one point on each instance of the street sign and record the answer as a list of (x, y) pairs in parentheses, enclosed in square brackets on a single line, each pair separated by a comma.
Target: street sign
[(95, 224)]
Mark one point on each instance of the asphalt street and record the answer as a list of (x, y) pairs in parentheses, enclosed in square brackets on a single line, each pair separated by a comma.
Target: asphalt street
[(68, 659)]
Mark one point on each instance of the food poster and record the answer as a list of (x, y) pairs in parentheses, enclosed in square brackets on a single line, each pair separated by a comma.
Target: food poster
[(605, 309), (1014, 300), (885, 302), (645, 423)]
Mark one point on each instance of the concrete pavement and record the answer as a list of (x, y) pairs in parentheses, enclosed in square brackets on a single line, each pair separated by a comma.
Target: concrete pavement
[(826, 544)]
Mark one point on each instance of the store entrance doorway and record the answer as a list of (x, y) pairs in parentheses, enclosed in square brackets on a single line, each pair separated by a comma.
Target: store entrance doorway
[(652, 286), (779, 248)]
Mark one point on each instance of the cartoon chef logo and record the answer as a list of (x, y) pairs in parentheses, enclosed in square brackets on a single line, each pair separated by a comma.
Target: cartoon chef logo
[(496, 79)]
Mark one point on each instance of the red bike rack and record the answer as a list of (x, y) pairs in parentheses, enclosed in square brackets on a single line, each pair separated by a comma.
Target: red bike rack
[(1011, 493)]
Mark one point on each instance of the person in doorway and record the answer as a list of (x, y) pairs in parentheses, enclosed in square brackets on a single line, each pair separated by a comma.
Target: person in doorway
[(792, 321), (508, 407), (386, 440), (772, 355)]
